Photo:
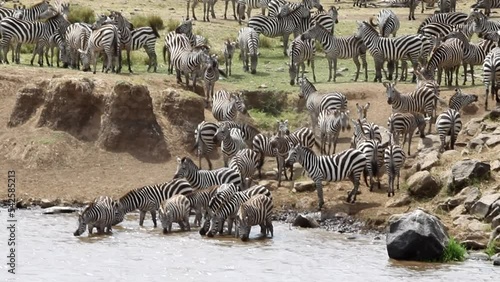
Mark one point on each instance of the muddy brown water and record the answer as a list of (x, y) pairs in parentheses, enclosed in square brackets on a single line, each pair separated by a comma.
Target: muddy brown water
[(48, 251)]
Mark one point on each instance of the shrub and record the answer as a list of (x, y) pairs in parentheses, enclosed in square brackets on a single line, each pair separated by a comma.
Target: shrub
[(265, 42), (454, 251), (153, 21), (81, 14), (172, 24), (490, 249)]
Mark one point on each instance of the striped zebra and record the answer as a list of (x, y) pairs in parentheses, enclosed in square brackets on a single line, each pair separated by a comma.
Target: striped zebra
[(246, 161), (453, 19), (390, 49), (56, 41), (394, 159), (99, 214), (245, 7), (255, 211), (487, 5), (338, 48), (104, 39), (145, 37), (274, 6), (225, 106), (229, 209), (77, 36), (248, 40), (228, 51), (373, 152), (232, 142), (317, 102), (222, 195), (210, 76), (448, 123), (362, 110), (262, 145), (482, 24), (448, 56), (387, 22), (420, 100), (149, 198), (491, 74), (208, 8), (175, 209), (204, 141), (460, 100), (368, 130), (280, 26), (21, 31), (199, 200), (406, 124), (346, 164), (200, 179), (299, 52), (248, 131), (327, 19), (442, 29), (233, 2), (280, 147), (330, 123), (186, 27), (184, 58)]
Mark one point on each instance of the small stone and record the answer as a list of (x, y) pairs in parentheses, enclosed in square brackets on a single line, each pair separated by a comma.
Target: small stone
[(493, 141), (422, 185), (305, 222), (458, 211), (495, 222), (398, 201), (262, 86), (44, 203), (495, 165), (305, 186)]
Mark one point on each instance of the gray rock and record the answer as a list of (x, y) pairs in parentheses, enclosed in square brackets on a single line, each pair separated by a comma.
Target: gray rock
[(478, 141), (494, 114), (464, 171), (472, 127), (430, 142), (495, 165), (56, 210), (495, 222), (398, 201), (305, 186), (423, 185), (482, 207), (496, 261), (478, 256), (416, 236), (449, 155), (44, 203), (426, 161), (473, 245), (493, 141), (470, 194), (305, 222), (458, 211)]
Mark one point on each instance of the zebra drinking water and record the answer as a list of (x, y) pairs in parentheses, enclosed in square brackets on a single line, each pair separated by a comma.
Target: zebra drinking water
[(255, 211), (175, 209), (99, 214)]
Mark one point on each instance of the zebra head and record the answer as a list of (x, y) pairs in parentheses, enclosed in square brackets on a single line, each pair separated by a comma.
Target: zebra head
[(243, 228), (185, 166), (391, 91), (313, 4), (362, 110), (334, 13), (165, 218), (121, 20), (185, 27), (294, 155), (229, 48), (221, 133), (237, 99), (283, 127), (85, 58), (215, 225), (81, 226), (119, 212), (306, 88), (343, 117), (19, 11)]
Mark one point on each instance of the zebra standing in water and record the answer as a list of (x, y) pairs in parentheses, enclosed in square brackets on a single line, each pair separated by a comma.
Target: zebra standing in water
[(394, 159), (149, 198), (199, 200), (301, 51), (204, 141), (225, 106), (200, 179), (248, 40), (228, 51), (99, 214), (406, 124), (338, 48), (246, 161), (349, 163), (330, 123), (255, 211), (459, 100), (232, 142), (175, 209), (448, 123)]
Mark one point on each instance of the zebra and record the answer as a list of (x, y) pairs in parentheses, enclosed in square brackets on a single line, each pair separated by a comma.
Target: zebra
[(487, 5), (273, 7), (77, 36), (406, 124), (228, 51), (420, 100), (280, 26), (99, 214), (199, 179), (299, 52), (328, 19), (262, 145), (453, 19), (248, 40), (225, 105), (442, 29), (388, 23), (149, 198), (186, 27), (233, 2), (373, 151), (473, 54), (248, 5), (175, 209), (317, 102), (229, 208), (246, 161), (223, 193), (448, 123), (482, 24), (447, 6), (459, 100), (390, 49), (248, 131), (204, 141), (185, 58), (362, 110), (280, 147), (338, 47), (368, 131), (349, 163), (56, 41), (491, 74), (145, 37), (210, 76), (208, 7), (232, 142), (330, 123), (255, 211), (446, 55), (107, 39), (199, 200), (394, 159)]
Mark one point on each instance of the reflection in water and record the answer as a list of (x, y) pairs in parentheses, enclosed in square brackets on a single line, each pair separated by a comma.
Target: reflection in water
[(48, 251)]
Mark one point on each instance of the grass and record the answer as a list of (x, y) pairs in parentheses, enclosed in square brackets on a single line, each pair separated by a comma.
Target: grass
[(490, 249), (267, 121), (151, 20), (454, 251), (79, 13)]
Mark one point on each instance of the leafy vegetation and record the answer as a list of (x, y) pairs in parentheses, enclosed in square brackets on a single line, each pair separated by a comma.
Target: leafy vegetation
[(172, 24), (267, 121), (151, 20), (81, 14), (490, 249), (454, 251)]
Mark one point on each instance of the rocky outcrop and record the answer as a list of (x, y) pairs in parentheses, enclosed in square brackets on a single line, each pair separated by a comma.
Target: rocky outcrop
[(129, 124), (184, 111), (483, 206), (28, 100), (422, 185), (464, 172), (417, 235), (468, 196)]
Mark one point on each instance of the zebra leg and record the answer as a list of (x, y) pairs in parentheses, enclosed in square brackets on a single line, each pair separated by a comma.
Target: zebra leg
[(472, 74), (142, 215), (186, 222), (319, 190), (153, 217), (270, 228), (212, 12), (90, 228), (181, 225), (334, 69), (128, 60), (259, 166), (285, 42), (358, 66), (192, 10), (330, 64), (313, 71)]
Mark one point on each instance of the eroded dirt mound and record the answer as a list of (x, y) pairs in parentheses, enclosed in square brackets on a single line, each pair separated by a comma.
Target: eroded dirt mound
[(129, 124), (27, 102)]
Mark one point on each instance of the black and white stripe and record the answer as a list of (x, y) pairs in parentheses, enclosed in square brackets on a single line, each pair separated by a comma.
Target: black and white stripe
[(274, 6), (326, 19), (446, 55), (186, 59), (347, 164), (232, 142), (255, 211), (301, 51), (199, 200), (56, 41), (362, 110), (246, 161), (460, 100), (225, 106), (248, 131), (99, 214), (248, 40), (204, 141), (228, 51), (330, 123), (199, 179), (487, 5), (245, 7), (186, 28), (280, 146), (491, 74), (77, 36), (394, 159), (388, 23), (104, 39), (145, 37), (448, 123), (406, 124), (30, 14), (453, 19), (210, 76), (149, 198), (175, 209)]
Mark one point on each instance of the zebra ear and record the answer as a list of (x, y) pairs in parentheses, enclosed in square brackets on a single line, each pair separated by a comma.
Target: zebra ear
[(386, 84), (367, 106), (179, 160)]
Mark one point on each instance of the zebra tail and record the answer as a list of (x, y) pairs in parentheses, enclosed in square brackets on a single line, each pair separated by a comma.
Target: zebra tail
[(452, 137), (155, 31), (115, 45), (165, 54), (365, 176)]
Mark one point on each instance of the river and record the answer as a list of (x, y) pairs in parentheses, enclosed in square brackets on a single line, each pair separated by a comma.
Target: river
[(48, 251)]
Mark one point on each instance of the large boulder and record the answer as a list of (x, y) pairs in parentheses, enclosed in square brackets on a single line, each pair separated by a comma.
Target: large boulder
[(483, 206), (423, 185), (129, 124), (417, 235), (463, 173)]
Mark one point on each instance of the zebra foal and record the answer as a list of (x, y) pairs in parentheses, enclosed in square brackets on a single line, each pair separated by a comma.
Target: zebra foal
[(175, 209), (255, 211), (101, 214), (394, 159), (449, 124)]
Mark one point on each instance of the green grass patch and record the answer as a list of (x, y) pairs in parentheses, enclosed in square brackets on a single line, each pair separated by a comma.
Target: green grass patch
[(454, 251), (81, 14), (490, 249), (172, 24), (151, 20), (267, 121)]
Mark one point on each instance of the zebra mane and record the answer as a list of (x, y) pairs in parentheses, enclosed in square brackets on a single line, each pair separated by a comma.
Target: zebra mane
[(39, 4)]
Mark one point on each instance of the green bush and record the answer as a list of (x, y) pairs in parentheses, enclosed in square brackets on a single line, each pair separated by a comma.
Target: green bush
[(490, 249), (454, 251), (265, 42), (172, 24), (153, 21), (81, 14)]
